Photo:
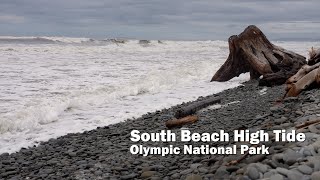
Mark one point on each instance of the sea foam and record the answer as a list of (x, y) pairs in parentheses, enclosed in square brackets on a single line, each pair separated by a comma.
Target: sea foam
[(55, 85)]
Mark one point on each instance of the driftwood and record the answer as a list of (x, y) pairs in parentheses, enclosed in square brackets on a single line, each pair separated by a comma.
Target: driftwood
[(252, 52), (234, 162), (314, 56), (179, 122), (307, 123), (307, 77), (294, 89), (194, 107)]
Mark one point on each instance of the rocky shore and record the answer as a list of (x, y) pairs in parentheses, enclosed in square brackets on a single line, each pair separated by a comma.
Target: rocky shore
[(103, 153)]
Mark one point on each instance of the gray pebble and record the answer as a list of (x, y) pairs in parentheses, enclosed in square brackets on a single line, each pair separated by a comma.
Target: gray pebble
[(203, 170), (129, 176), (276, 177), (175, 176), (261, 167), (221, 171), (315, 175), (252, 172), (232, 168), (315, 160), (147, 174), (305, 169), (270, 173), (290, 157), (194, 177), (280, 120), (195, 166), (282, 171), (98, 173), (187, 171), (292, 175)]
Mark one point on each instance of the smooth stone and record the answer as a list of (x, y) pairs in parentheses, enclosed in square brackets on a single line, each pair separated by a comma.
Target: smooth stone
[(275, 109), (195, 166), (294, 175), (261, 167), (210, 176), (276, 177), (305, 169), (252, 172), (157, 167), (194, 177), (203, 170), (147, 174), (299, 112), (272, 164), (256, 158), (98, 173), (290, 157), (282, 171), (5, 174), (280, 120), (308, 152), (72, 154), (46, 171), (315, 175), (277, 158), (221, 171), (270, 173), (313, 129), (155, 178), (232, 168), (175, 176), (187, 171), (286, 125), (129, 176), (146, 169), (240, 171), (315, 160)]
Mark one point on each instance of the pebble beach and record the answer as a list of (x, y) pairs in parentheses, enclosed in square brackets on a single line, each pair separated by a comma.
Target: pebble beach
[(103, 153)]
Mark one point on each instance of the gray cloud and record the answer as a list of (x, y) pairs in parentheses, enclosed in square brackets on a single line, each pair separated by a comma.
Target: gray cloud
[(160, 19)]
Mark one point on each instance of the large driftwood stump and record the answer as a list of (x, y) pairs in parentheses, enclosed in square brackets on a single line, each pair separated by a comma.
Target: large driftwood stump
[(252, 52)]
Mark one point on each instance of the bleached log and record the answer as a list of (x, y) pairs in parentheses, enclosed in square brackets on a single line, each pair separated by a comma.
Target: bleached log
[(302, 84), (307, 77), (302, 72)]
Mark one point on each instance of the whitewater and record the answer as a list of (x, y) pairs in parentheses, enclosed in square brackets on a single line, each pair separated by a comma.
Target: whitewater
[(52, 86)]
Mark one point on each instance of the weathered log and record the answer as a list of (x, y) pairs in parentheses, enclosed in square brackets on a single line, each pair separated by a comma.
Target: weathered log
[(307, 123), (252, 52), (302, 72), (180, 122), (194, 107), (307, 77), (302, 84), (314, 55)]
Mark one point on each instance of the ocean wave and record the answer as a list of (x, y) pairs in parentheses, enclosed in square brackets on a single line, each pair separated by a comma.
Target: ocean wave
[(25, 40)]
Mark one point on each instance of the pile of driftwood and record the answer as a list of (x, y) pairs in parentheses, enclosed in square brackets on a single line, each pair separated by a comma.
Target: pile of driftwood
[(252, 52), (307, 77)]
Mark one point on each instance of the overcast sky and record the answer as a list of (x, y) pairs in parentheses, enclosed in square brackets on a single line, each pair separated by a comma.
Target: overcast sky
[(160, 19)]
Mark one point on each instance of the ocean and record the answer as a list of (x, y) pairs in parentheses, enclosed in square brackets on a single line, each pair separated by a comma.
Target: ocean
[(52, 86)]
